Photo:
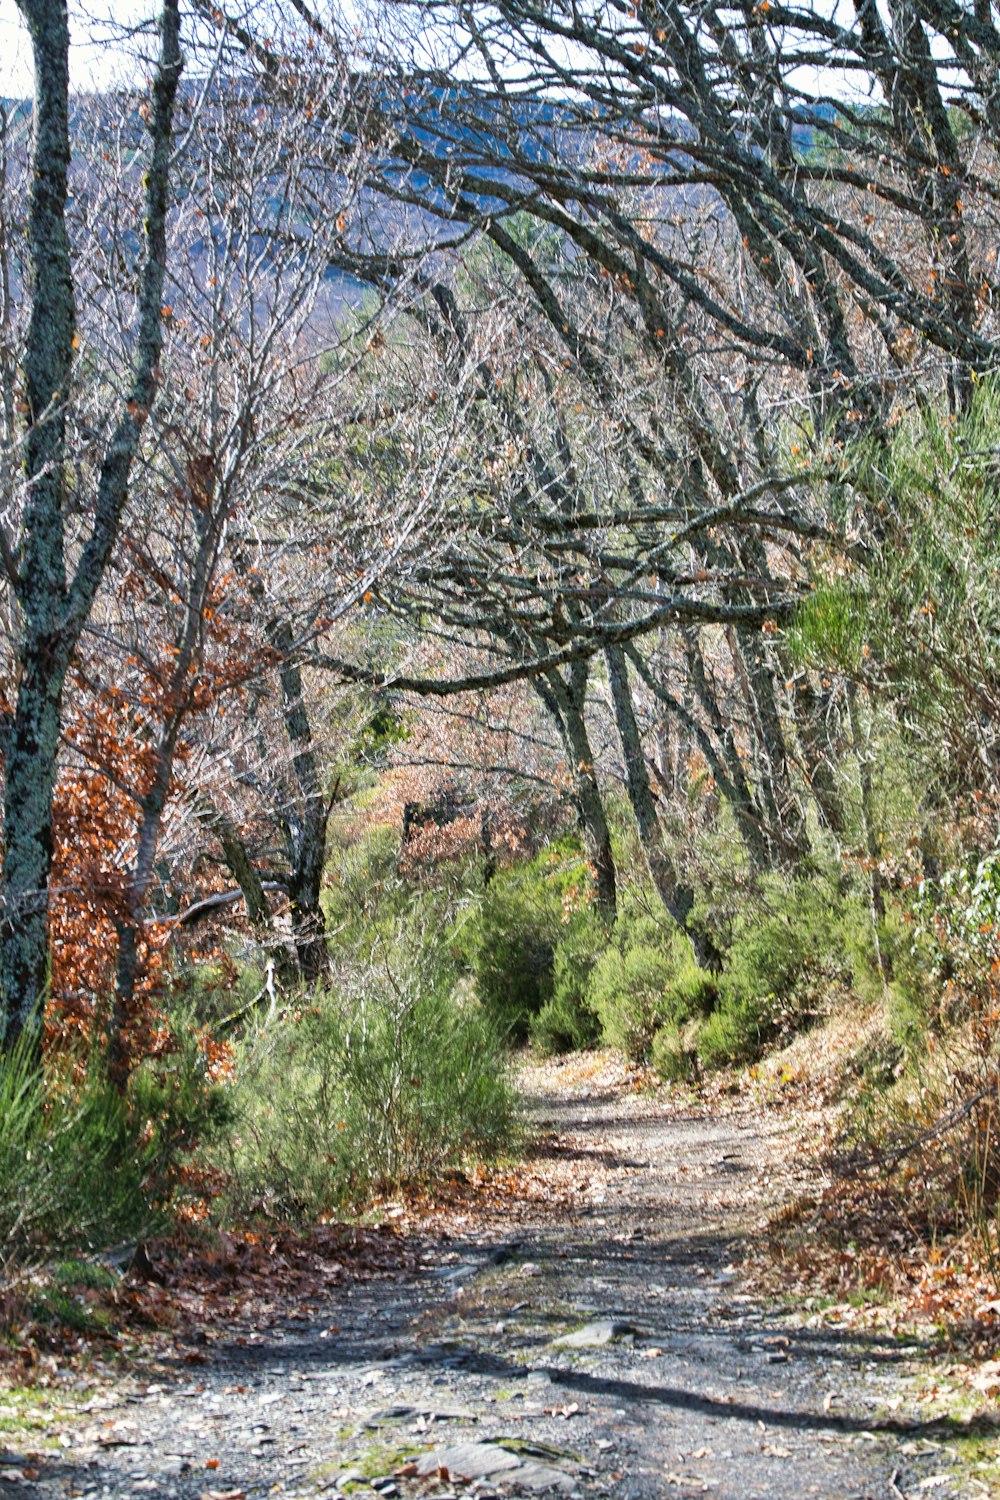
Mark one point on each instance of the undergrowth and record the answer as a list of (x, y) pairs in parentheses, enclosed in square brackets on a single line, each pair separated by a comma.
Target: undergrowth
[(387, 1080), (82, 1166)]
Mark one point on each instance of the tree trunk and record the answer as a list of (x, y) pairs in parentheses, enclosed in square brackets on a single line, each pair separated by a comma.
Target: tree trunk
[(304, 888), (132, 922), (729, 772), (152, 804), (29, 784), (306, 818), (785, 828), (30, 770), (678, 899), (238, 862), (54, 610), (876, 887), (812, 709), (570, 700)]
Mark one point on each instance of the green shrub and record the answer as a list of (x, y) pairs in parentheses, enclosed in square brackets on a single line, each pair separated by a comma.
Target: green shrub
[(944, 953), (693, 993), (368, 897), (644, 980), (205, 994), (914, 994), (391, 1081), (175, 1109), (536, 933), (563, 1025), (81, 1166), (789, 946), (628, 993), (935, 666), (565, 1022), (738, 1031), (364, 884), (674, 1052), (799, 940), (793, 940)]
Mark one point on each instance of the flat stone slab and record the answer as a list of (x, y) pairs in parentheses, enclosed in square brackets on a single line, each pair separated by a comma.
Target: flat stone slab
[(541, 1477), (596, 1335), (391, 1414), (468, 1461), (490, 1461)]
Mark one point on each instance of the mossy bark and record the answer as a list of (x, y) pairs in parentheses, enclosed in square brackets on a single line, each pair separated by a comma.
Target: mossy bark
[(55, 608)]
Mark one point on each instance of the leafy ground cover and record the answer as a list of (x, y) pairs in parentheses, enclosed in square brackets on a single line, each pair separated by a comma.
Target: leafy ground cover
[(866, 1240), (666, 1212)]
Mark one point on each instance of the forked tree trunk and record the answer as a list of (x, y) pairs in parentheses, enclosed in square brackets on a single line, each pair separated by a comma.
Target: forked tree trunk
[(54, 608)]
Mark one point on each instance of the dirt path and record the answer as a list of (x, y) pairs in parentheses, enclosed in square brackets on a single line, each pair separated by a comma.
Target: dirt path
[(602, 1350)]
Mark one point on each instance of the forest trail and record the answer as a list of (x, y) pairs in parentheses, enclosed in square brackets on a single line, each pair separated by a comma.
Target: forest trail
[(598, 1347)]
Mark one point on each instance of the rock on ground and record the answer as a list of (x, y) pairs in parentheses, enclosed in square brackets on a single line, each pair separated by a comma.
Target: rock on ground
[(608, 1351)]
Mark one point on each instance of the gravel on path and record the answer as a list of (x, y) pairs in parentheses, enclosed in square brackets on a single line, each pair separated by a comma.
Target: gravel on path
[(602, 1350)]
